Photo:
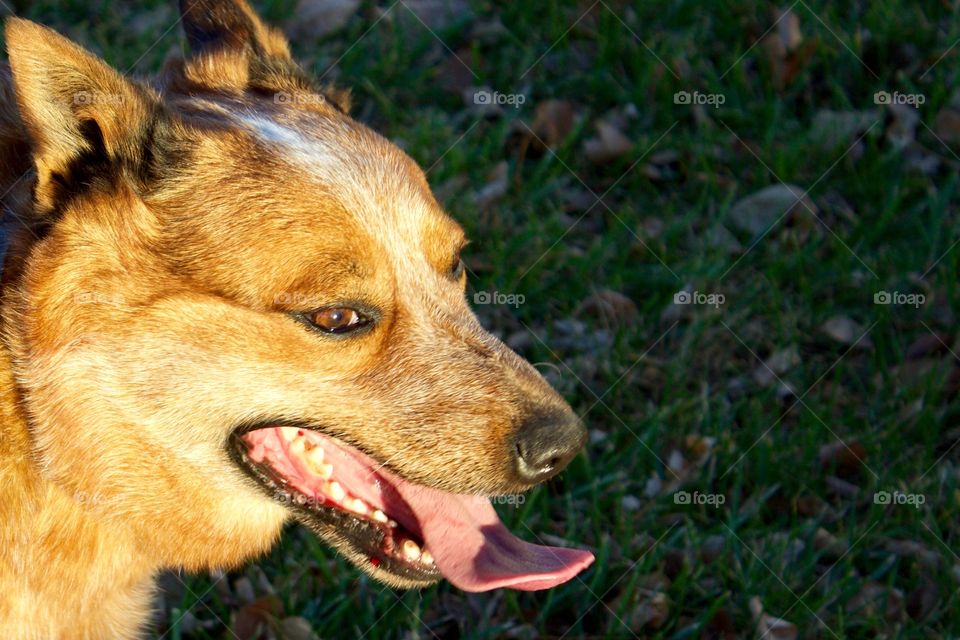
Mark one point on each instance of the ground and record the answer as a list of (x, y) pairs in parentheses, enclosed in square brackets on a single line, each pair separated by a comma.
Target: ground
[(726, 231)]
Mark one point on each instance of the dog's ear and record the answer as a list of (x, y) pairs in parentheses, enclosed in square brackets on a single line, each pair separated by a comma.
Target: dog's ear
[(231, 25), (72, 104), (233, 50)]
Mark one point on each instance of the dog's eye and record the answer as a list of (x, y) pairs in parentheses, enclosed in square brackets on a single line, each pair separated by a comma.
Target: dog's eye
[(456, 271), (337, 319)]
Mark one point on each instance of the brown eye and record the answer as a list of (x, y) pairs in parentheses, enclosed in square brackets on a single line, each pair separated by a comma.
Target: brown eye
[(337, 319), (456, 271)]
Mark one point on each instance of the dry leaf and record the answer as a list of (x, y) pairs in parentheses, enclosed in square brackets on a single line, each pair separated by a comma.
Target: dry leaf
[(296, 628), (769, 627), (608, 145), (651, 612), (840, 128), (495, 188), (875, 600), (610, 307), (846, 458), (946, 126), (923, 554), (314, 19), (759, 211), (553, 121), (779, 363), (844, 330), (928, 344)]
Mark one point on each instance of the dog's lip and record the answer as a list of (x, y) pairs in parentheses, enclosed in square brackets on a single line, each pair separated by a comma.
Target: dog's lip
[(366, 539), (470, 545)]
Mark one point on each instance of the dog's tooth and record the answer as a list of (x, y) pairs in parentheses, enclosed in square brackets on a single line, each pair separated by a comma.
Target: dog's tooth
[(315, 455), (392, 524), (297, 447), (289, 433), (426, 557), (380, 516), (336, 491), (325, 471), (357, 506), (411, 551)]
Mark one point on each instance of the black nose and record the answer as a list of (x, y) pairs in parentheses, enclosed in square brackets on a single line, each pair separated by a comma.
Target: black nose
[(546, 442)]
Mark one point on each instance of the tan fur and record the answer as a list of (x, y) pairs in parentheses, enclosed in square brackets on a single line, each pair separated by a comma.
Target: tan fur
[(143, 321)]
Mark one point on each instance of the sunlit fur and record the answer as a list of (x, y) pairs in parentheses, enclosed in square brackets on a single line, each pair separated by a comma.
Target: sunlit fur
[(166, 230)]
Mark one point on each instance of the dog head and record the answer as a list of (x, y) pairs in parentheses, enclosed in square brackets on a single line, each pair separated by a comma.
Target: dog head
[(231, 292)]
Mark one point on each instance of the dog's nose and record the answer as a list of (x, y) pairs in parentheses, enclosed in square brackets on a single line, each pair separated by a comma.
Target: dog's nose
[(546, 442)]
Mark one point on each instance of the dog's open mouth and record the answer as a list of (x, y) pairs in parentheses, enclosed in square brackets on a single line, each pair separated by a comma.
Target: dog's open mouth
[(409, 531)]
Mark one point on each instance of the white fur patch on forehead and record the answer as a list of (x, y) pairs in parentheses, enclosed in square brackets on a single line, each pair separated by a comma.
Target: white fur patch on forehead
[(363, 170), (308, 151)]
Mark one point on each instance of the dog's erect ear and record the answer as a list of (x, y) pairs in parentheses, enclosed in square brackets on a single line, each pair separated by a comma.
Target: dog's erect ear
[(72, 103), (217, 25)]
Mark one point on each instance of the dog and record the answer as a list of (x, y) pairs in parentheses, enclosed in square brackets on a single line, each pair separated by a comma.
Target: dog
[(226, 306)]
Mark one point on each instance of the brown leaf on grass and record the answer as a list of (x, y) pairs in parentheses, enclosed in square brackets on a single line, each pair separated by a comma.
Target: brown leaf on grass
[(784, 46), (828, 544), (314, 19), (778, 364), (553, 121), (920, 552), (846, 458), (296, 628), (946, 126), (902, 125), (496, 187), (844, 330), (650, 612), (609, 144), (923, 600), (454, 76), (611, 308), (875, 600), (770, 627), (251, 619), (928, 344), (720, 627), (833, 128), (758, 211)]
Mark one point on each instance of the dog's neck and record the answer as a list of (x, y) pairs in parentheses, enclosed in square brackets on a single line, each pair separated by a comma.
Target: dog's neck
[(61, 566)]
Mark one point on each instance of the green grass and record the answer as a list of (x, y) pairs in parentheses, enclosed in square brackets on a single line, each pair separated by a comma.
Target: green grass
[(881, 226)]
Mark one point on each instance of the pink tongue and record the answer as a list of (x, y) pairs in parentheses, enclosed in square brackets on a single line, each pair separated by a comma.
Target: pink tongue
[(476, 552)]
